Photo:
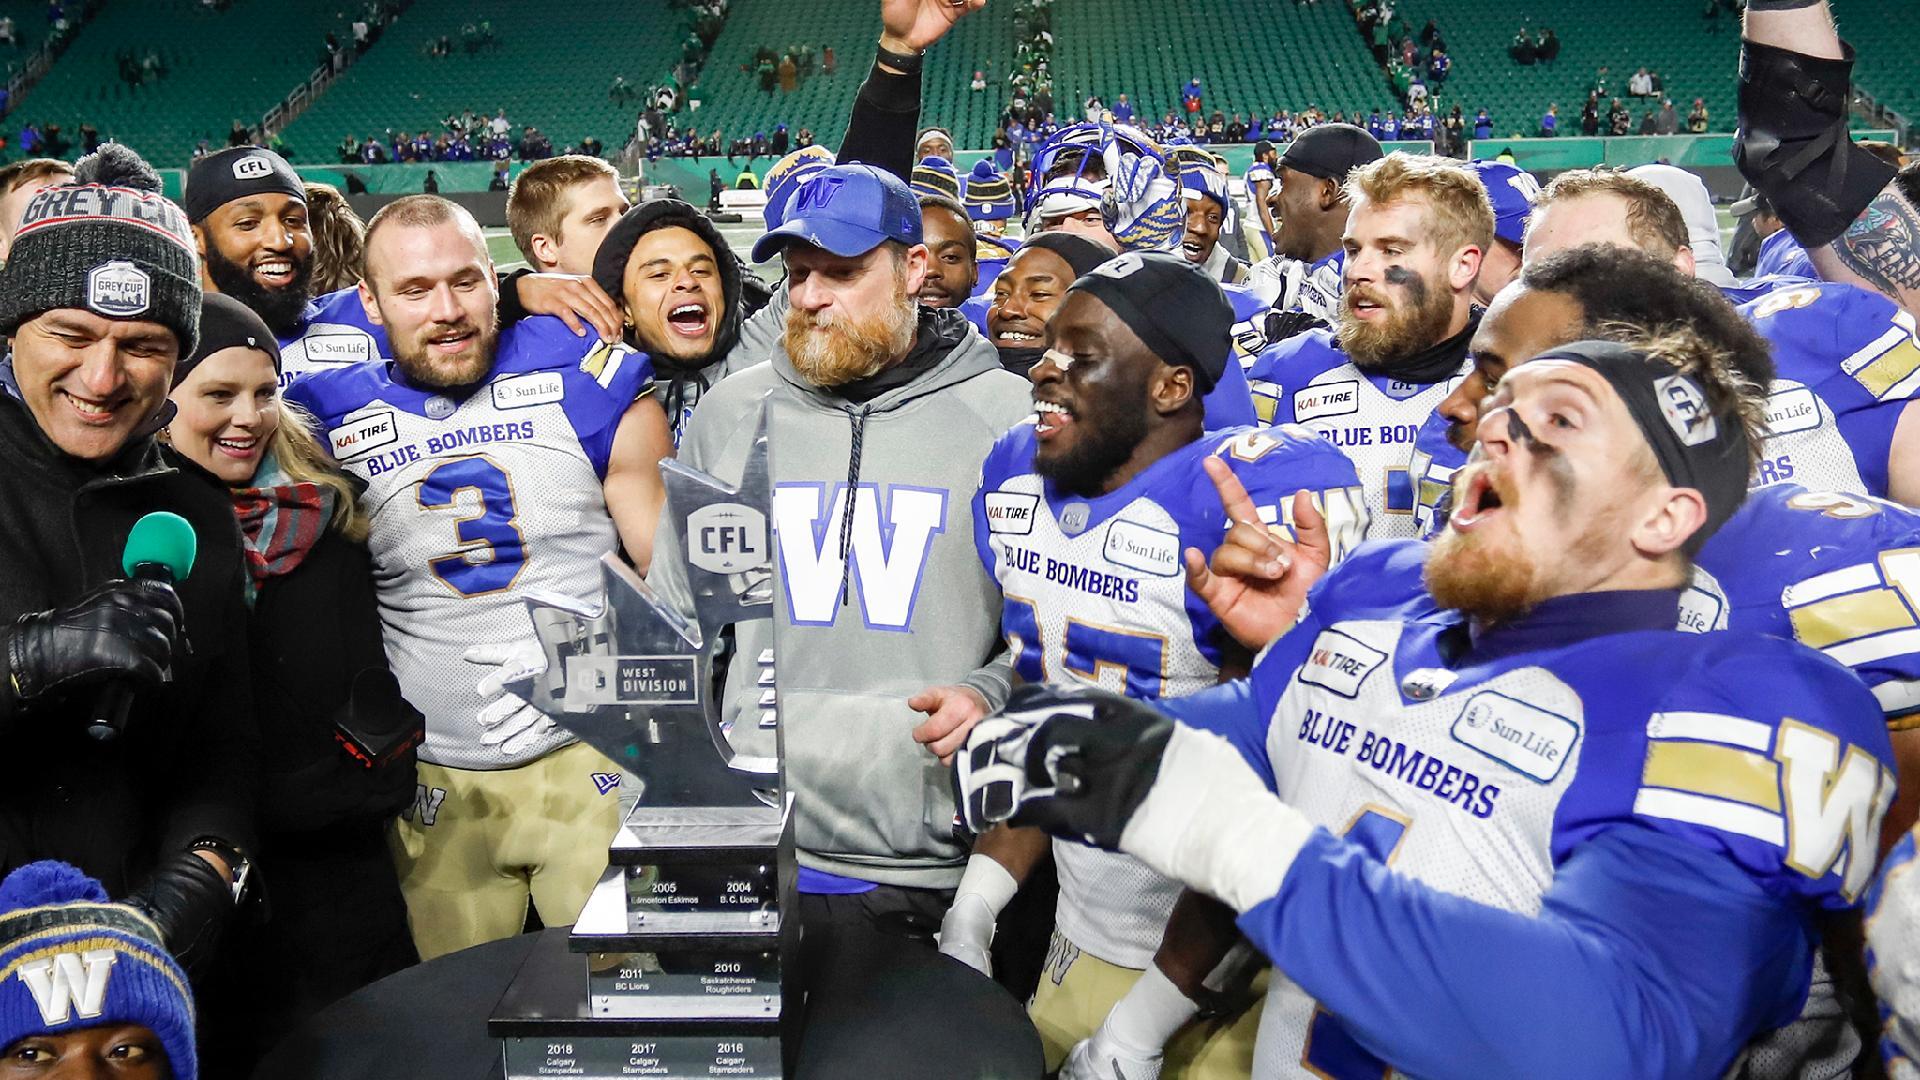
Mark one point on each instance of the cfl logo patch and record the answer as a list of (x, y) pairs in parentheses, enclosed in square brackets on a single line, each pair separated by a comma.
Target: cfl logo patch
[(604, 782), (252, 168)]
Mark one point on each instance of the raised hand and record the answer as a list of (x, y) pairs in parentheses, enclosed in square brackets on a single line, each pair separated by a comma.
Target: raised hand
[(914, 25), (1256, 582)]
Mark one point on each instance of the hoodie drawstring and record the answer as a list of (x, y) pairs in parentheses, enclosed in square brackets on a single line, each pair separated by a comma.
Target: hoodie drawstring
[(858, 418)]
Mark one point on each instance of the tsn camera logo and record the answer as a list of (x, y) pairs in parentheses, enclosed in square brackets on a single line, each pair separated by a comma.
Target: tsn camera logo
[(726, 538)]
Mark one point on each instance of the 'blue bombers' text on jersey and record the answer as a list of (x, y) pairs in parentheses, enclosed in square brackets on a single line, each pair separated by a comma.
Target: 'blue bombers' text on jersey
[(477, 499), (1838, 573), (1095, 593), (1373, 417), (1475, 764), (1846, 365), (334, 331)]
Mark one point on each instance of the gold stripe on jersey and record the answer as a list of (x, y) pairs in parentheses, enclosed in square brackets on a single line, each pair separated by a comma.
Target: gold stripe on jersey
[(1882, 373), (1720, 772), (1844, 618)]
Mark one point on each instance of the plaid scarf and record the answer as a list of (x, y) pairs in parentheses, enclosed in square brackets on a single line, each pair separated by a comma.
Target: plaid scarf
[(280, 520)]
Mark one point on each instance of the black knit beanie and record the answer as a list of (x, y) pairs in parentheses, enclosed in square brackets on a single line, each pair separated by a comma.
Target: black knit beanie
[(108, 243)]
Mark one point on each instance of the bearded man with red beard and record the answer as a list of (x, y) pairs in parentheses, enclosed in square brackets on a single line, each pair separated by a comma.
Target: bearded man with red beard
[(1474, 803), (1414, 241), (879, 412)]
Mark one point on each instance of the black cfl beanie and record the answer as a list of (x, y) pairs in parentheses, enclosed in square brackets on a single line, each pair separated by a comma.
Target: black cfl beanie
[(108, 243), (235, 173), (1179, 311), (226, 323)]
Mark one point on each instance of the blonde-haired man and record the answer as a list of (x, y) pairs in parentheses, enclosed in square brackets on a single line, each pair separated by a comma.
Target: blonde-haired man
[(1413, 245), (559, 209)]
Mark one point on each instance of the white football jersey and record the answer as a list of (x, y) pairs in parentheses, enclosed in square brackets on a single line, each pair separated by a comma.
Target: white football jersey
[(476, 501), (1374, 419), (1096, 593)]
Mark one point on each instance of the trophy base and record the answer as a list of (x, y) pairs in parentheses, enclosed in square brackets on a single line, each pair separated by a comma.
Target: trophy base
[(681, 964), (703, 861), (547, 1027)]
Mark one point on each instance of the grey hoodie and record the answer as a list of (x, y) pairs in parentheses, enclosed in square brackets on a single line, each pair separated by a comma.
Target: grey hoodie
[(918, 610)]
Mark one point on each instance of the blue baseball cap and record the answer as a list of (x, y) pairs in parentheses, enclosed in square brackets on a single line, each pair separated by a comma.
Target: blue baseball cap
[(848, 210), (1511, 190)]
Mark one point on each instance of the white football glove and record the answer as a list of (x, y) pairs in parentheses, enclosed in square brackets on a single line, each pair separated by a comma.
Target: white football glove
[(1130, 1042), (1101, 1058), (510, 723), (966, 934), (524, 677)]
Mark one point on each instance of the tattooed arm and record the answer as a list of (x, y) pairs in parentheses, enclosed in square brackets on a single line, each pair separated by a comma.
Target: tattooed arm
[(1880, 248)]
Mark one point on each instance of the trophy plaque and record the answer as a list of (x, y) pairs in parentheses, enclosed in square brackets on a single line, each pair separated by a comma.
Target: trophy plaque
[(678, 965)]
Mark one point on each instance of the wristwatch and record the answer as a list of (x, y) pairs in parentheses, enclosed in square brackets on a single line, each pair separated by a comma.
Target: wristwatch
[(241, 866)]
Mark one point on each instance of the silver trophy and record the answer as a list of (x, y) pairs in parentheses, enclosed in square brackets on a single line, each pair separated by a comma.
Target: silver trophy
[(690, 935)]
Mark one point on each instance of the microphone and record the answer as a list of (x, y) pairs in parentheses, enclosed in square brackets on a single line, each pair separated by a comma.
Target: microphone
[(161, 547)]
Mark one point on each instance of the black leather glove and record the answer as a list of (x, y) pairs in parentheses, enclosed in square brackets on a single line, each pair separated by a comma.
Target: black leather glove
[(124, 629), (190, 902), (1075, 762)]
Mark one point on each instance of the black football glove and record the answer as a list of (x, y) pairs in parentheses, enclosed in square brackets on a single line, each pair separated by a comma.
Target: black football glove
[(1281, 325), (124, 629), (1076, 762), (190, 902)]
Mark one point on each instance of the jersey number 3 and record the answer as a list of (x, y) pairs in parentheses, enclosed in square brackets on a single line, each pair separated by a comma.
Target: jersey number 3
[(491, 552)]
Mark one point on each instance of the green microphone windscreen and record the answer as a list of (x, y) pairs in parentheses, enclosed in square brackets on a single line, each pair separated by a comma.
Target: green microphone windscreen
[(163, 539)]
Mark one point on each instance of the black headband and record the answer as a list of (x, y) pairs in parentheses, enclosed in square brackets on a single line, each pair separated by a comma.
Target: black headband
[(1696, 446), (1176, 310), (235, 173)]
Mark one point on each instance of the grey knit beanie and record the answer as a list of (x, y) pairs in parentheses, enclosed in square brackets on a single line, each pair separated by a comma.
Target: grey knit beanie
[(108, 243)]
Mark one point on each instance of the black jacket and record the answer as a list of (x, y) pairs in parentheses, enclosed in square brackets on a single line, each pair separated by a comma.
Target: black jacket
[(183, 770), (315, 641)]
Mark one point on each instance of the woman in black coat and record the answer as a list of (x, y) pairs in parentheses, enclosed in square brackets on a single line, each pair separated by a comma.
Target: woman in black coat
[(336, 739)]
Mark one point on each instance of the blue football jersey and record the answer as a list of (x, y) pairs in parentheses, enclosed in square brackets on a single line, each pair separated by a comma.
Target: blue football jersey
[(1838, 573), (334, 331), (1095, 593), (1478, 764), (1782, 256), (1375, 418), (477, 499), (1847, 363)]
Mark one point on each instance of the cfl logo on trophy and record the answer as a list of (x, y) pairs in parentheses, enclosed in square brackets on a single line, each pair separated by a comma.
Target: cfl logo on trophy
[(726, 538)]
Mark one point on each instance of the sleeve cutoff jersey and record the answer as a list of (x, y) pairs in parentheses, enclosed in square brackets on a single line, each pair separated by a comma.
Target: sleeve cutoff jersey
[(1846, 363), (1372, 417), (334, 332), (476, 500), (1095, 593), (1479, 780)]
